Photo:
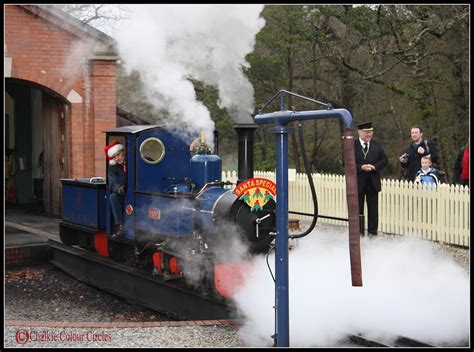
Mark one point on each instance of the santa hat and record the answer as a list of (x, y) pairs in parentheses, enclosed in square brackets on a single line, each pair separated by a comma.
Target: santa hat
[(111, 150)]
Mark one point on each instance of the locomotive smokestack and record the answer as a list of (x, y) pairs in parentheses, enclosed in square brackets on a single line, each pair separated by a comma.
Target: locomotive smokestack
[(245, 134), (216, 142)]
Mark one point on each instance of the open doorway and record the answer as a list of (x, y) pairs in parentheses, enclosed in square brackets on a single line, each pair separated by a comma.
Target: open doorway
[(36, 149)]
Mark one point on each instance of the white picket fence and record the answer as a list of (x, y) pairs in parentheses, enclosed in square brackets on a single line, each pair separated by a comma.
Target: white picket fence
[(438, 213)]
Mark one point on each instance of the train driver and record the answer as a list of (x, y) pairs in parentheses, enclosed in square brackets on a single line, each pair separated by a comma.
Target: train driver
[(117, 184)]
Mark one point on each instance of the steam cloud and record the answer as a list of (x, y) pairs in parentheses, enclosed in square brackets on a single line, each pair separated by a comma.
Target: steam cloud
[(170, 45), (410, 289)]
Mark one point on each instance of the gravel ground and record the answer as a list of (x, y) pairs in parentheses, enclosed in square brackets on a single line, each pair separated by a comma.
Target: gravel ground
[(460, 254), (37, 293)]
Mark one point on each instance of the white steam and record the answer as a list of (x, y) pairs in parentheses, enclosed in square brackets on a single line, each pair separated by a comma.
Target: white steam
[(76, 66), (79, 54), (410, 289), (170, 45)]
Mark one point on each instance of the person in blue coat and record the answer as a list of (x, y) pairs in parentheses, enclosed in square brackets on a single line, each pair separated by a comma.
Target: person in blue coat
[(427, 174), (370, 160), (117, 183)]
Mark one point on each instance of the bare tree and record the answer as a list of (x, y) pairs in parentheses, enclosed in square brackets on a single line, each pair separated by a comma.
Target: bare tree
[(104, 17)]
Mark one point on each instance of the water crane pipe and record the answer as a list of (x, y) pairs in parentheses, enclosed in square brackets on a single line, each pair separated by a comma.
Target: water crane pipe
[(281, 131), (282, 118)]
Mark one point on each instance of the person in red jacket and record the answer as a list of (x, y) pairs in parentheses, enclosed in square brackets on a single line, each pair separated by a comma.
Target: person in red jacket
[(461, 167)]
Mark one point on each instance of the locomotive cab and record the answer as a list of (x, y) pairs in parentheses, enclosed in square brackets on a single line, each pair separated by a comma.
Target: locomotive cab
[(173, 194), (157, 166)]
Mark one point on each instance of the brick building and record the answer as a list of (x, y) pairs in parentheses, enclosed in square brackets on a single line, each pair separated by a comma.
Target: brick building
[(60, 95)]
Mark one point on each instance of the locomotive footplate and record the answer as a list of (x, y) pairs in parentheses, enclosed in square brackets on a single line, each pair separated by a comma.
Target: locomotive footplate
[(168, 297)]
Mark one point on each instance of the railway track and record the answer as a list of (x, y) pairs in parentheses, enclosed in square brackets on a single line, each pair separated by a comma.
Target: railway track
[(137, 286), (399, 341), (396, 341)]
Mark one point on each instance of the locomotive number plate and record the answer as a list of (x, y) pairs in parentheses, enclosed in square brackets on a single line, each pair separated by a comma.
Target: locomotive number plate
[(154, 214)]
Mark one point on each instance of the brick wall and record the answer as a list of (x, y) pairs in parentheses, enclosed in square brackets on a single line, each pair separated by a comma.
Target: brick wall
[(105, 106), (27, 255), (52, 53)]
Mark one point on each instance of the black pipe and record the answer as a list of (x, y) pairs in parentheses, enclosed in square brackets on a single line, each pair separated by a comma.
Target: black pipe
[(319, 216), (245, 133), (311, 186), (361, 218), (216, 142)]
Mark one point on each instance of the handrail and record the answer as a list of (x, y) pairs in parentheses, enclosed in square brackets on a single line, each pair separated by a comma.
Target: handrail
[(280, 93)]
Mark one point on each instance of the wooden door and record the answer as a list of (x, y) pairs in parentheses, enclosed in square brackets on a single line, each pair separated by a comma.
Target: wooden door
[(55, 152)]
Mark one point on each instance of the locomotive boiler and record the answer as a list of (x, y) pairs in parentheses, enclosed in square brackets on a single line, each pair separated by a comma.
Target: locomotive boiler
[(181, 221)]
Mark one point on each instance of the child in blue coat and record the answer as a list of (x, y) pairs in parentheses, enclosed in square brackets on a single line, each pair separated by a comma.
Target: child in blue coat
[(427, 174)]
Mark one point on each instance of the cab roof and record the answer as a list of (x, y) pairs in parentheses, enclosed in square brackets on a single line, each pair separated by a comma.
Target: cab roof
[(134, 128)]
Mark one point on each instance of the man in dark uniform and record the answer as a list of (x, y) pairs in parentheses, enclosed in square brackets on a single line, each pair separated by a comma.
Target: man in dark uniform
[(370, 159), (117, 184)]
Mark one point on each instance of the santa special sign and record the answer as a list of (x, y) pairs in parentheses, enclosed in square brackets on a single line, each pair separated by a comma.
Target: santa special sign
[(256, 192)]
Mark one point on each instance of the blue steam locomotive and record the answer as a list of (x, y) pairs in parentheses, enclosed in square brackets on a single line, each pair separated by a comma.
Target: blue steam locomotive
[(181, 220)]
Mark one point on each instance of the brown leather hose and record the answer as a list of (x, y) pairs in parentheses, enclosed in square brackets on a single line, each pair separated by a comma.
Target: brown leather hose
[(352, 207)]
